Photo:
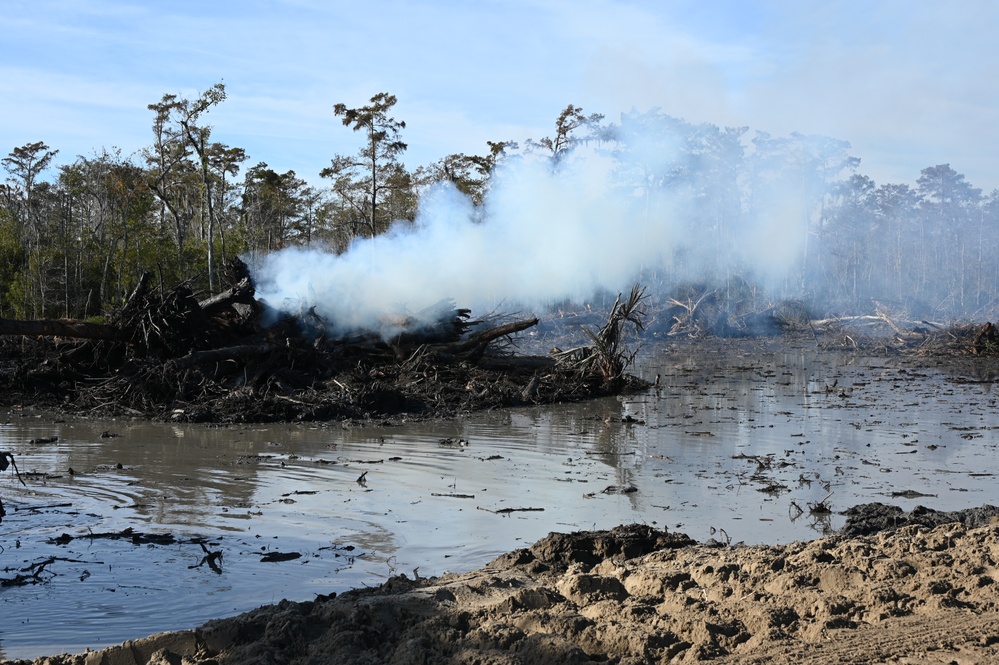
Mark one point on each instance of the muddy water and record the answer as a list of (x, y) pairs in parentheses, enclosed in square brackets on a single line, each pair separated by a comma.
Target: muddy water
[(736, 447)]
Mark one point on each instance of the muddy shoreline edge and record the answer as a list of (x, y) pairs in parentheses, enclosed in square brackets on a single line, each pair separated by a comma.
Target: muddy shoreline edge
[(635, 594)]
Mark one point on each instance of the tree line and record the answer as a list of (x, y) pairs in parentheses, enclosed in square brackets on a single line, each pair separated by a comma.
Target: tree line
[(75, 238)]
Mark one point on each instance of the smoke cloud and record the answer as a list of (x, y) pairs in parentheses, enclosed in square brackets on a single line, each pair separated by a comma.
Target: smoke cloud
[(546, 233)]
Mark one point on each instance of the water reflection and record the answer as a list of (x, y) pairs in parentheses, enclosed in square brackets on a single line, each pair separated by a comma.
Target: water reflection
[(736, 447)]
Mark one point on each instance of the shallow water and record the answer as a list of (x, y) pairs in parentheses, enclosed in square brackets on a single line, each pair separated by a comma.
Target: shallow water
[(732, 447)]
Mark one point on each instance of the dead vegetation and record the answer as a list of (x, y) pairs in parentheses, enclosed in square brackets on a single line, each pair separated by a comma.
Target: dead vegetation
[(887, 331), (604, 361), (698, 312), (232, 358)]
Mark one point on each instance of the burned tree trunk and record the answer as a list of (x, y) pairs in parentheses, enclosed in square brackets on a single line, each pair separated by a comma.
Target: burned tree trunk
[(986, 340), (243, 352)]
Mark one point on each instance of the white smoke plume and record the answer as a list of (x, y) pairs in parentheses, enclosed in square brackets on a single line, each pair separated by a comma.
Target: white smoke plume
[(544, 235)]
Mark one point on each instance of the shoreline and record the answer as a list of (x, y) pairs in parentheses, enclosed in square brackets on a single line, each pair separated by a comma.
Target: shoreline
[(634, 594)]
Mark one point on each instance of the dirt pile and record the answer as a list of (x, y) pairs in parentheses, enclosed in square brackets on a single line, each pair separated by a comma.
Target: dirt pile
[(639, 595)]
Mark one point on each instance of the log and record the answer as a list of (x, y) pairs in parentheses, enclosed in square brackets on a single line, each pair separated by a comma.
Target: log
[(986, 337), (240, 293), (441, 332), (437, 324), (516, 363), (476, 343), (59, 328)]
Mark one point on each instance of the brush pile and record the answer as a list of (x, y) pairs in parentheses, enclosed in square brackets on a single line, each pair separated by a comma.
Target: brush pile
[(233, 358), (698, 312)]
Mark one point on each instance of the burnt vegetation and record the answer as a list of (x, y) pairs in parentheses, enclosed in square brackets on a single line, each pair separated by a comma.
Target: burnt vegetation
[(233, 358)]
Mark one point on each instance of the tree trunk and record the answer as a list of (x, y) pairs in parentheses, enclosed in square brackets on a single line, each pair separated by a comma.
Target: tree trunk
[(476, 343), (242, 292)]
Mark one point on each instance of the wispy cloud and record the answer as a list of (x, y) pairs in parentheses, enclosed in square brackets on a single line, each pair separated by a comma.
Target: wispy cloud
[(908, 84)]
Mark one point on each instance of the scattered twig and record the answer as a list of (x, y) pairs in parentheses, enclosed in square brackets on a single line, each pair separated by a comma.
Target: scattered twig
[(798, 510), (211, 559), (7, 459), (820, 507), (723, 533), (507, 511), (33, 574)]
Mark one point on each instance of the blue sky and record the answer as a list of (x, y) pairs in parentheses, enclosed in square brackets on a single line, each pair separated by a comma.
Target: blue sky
[(909, 84)]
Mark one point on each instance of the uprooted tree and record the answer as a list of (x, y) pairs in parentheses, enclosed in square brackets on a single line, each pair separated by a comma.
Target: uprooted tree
[(169, 355)]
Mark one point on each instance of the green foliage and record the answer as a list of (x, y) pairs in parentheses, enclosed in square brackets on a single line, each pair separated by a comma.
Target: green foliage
[(572, 128), (11, 264), (15, 294), (468, 173)]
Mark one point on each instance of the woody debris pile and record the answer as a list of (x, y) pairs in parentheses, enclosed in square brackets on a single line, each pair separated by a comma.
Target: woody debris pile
[(234, 358)]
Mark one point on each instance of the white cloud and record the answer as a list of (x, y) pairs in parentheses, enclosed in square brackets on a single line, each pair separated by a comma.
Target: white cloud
[(908, 84)]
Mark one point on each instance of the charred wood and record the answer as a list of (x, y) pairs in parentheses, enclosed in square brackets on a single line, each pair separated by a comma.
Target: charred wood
[(986, 340), (165, 354), (241, 293), (518, 363), (475, 344)]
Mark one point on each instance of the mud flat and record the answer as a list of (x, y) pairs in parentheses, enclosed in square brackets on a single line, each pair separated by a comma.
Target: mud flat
[(922, 590)]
